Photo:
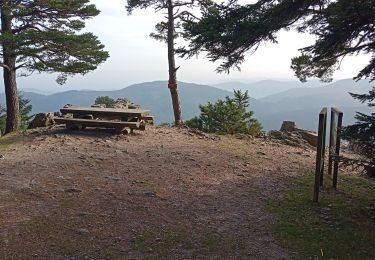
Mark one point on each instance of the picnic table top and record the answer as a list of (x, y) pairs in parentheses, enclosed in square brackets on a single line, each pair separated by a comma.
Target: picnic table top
[(105, 111)]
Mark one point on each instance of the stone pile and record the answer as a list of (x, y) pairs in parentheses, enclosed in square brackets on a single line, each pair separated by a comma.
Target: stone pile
[(42, 120), (124, 103), (291, 135), (121, 103)]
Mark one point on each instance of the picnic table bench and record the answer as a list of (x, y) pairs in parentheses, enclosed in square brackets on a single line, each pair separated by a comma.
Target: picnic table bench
[(119, 119)]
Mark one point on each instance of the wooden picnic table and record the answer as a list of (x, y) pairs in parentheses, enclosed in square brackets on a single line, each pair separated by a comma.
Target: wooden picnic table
[(96, 111), (120, 119)]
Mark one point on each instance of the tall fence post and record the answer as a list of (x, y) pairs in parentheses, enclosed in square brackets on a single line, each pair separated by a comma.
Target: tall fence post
[(319, 169), (337, 147), (330, 152)]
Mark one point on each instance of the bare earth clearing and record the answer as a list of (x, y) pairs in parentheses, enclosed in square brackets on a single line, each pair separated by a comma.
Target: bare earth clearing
[(162, 193)]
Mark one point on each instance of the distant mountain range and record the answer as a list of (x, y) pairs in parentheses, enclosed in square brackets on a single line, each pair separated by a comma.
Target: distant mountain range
[(264, 88), (297, 103)]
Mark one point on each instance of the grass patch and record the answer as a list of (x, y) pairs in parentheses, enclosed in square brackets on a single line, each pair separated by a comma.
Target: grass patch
[(171, 241), (8, 140), (340, 226)]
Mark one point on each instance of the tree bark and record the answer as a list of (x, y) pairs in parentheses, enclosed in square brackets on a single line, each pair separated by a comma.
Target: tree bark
[(9, 70), (172, 67)]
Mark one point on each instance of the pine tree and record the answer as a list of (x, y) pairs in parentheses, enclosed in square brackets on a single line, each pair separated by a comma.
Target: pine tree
[(167, 31), (44, 36), (227, 116), (362, 136), (341, 27)]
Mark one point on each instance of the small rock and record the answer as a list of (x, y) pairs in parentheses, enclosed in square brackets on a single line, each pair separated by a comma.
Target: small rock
[(150, 194), (2, 157), (72, 190), (240, 174), (83, 231)]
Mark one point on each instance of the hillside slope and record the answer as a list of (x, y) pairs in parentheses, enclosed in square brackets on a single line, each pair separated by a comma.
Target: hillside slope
[(150, 95), (299, 104), (302, 105), (264, 88)]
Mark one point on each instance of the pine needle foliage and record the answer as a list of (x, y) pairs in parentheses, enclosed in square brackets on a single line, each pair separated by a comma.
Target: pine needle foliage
[(361, 136), (25, 110), (228, 31), (227, 116), (46, 37)]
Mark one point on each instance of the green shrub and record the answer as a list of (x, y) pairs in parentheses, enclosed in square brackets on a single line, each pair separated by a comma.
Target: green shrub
[(228, 116), (25, 110), (106, 100)]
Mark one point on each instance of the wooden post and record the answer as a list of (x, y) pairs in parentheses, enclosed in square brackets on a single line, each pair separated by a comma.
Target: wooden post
[(320, 153), (330, 143), (323, 148), (337, 149)]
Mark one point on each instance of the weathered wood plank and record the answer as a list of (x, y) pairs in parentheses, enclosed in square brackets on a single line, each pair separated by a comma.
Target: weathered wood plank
[(99, 123), (96, 111)]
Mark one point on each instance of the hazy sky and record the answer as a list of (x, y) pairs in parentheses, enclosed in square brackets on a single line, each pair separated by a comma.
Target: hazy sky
[(135, 57)]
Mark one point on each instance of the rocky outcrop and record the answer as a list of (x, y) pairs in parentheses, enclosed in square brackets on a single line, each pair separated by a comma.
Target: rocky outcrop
[(124, 103), (288, 126), (291, 135), (310, 137), (42, 120)]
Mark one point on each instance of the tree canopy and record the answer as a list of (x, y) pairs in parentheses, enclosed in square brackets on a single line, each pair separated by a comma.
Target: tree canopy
[(44, 36), (342, 27)]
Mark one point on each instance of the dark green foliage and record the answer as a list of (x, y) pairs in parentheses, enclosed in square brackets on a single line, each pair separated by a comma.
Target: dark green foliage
[(342, 27), (25, 109), (182, 13), (46, 37), (362, 136), (108, 101), (228, 116)]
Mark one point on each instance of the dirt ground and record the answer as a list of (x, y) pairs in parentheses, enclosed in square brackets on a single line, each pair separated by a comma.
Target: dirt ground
[(160, 194)]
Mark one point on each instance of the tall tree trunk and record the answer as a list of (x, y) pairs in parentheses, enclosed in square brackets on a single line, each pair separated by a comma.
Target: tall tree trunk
[(172, 67), (9, 66)]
